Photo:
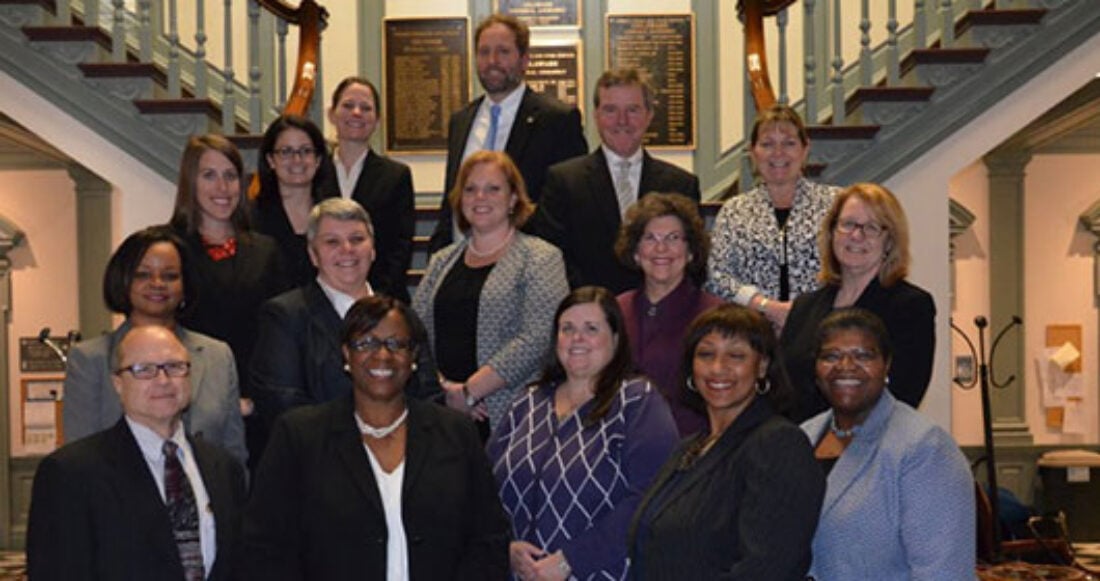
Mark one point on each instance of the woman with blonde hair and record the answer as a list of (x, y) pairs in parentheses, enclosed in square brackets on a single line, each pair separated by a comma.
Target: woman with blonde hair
[(864, 244)]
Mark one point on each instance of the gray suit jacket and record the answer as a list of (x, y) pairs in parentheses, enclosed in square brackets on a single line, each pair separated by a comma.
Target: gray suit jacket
[(899, 503), (515, 312), (91, 403)]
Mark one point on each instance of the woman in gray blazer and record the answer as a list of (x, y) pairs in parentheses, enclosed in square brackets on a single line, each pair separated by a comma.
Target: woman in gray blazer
[(488, 299), (150, 281)]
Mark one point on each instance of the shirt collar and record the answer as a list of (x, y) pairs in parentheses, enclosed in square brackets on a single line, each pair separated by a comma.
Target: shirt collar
[(340, 300)]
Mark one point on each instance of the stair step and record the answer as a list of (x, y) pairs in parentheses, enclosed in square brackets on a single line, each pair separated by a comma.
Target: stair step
[(1004, 17), (68, 34), (47, 4), (947, 56), (178, 107), (842, 132), (123, 70)]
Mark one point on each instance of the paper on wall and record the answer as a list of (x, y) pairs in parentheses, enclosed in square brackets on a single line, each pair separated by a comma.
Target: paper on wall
[(1057, 385)]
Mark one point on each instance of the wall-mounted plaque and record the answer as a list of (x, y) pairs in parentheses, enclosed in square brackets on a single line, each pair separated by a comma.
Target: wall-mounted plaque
[(34, 356), (556, 70), (427, 64), (662, 48), (542, 12)]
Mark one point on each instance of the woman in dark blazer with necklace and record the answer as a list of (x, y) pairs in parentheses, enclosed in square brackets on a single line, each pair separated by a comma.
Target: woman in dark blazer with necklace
[(381, 185), (741, 500), (376, 484)]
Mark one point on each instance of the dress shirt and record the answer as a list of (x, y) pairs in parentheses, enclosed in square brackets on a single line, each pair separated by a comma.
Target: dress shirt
[(480, 129), (152, 448), (389, 488), (348, 178), (635, 161), (341, 301)]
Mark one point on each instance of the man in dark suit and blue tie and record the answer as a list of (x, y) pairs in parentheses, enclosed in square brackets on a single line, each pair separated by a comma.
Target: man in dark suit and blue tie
[(140, 500), (585, 198), (535, 130)]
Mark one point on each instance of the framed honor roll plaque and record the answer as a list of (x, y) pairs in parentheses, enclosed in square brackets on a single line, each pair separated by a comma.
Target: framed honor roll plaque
[(427, 77)]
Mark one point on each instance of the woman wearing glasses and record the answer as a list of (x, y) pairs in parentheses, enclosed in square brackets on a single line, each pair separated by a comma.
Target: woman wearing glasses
[(381, 185), (664, 237), (376, 484), (150, 280), (236, 269), (290, 155), (864, 244)]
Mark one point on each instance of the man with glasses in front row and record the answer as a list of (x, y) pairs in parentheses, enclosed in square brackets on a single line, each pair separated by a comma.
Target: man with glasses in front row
[(142, 499)]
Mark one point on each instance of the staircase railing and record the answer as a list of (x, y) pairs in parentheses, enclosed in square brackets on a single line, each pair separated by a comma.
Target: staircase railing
[(830, 66), (176, 36)]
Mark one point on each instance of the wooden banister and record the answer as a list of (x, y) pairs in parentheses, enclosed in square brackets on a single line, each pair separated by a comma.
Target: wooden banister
[(752, 13)]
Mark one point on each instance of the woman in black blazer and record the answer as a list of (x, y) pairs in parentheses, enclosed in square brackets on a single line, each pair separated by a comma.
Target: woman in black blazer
[(741, 500), (291, 153), (236, 268), (381, 185), (376, 485)]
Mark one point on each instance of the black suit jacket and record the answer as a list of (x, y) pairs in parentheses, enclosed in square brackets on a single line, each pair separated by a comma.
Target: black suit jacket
[(747, 509), (316, 513), (580, 215), (298, 360), (231, 292), (96, 512), (385, 190), (910, 317), (546, 131)]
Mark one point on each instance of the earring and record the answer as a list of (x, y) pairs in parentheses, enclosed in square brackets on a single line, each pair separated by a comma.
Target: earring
[(691, 385), (766, 383), (887, 382), (347, 368), (415, 367)]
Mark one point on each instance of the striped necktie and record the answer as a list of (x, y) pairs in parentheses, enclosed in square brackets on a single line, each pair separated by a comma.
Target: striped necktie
[(183, 513), (494, 122)]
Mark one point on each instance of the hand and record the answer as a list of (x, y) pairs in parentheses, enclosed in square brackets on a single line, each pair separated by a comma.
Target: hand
[(522, 556), (550, 568), (455, 397), (776, 312), (247, 407)]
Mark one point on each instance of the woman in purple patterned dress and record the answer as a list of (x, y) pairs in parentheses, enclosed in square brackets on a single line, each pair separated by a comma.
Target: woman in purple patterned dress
[(576, 451)]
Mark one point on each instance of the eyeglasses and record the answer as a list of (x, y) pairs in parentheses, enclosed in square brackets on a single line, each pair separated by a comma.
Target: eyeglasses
[(860, 357), (870, 229), (150, 370), (372, 344), (288, 153), (652, 239)]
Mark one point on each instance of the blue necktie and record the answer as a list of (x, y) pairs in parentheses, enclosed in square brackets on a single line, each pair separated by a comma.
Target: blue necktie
[(494, 121)]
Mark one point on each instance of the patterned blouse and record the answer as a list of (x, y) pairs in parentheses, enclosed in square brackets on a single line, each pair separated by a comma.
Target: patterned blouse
[(573, 487), (747, 245)]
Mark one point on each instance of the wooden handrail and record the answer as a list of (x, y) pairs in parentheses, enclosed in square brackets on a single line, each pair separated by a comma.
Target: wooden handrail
[(310, 18), (752, 13)]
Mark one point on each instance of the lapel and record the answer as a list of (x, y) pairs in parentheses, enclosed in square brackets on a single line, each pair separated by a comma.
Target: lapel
[(365, 185), (133, 481), (198, 368), (651, 175), (459, 136), (602, 188), (523, 126), (420, 424), (720, 457), (346, 440), (223, 500), (859, 457)]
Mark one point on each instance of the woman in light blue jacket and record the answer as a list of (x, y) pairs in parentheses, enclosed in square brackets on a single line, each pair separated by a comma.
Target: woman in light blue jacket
[(899, 498)]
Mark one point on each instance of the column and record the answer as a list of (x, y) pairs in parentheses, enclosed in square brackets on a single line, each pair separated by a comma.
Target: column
[(93, 248)]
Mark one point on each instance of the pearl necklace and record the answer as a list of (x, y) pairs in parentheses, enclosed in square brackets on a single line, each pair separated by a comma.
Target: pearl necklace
[(498, 248), (842, 434), (379, 433)]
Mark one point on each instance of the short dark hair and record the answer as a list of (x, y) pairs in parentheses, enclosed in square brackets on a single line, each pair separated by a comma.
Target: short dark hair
[(186, 215), (367, 312), (119, 275), (855, 319), (519, 30), (655, 205), (269, 182), (732, 320), (625, 77), (617, 370), (353, 80)]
